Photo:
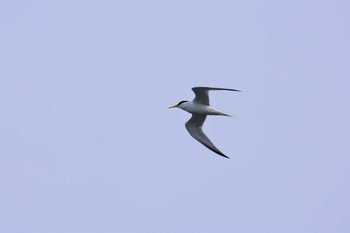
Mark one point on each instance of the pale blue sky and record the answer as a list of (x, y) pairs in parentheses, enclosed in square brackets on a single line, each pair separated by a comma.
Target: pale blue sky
[(88, 144)]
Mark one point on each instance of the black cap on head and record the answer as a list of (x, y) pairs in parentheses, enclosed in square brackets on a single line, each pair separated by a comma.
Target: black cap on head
[(181, 102)]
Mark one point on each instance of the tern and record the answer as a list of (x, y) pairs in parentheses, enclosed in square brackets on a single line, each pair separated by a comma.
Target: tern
[(200, 109)]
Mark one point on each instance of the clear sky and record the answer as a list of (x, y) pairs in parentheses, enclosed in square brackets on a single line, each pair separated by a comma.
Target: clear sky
[(88, 144)]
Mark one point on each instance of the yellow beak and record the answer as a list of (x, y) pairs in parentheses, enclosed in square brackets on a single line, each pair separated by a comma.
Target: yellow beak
[(175, 106)]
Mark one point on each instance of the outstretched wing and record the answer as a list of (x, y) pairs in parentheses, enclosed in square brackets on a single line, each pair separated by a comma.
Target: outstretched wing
[(194, 127), (202, 95)]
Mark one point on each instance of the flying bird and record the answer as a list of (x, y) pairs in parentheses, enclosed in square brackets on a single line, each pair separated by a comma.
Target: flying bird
[(200, 109)]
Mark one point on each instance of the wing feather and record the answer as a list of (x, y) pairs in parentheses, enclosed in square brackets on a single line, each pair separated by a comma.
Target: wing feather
[(194, 127), (202, 93)]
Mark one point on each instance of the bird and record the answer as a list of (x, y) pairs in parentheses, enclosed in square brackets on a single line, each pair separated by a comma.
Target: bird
[(200, 108)]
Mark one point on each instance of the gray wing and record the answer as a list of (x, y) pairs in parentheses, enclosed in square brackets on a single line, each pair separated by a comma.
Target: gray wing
[(202, 95), (194, 127)]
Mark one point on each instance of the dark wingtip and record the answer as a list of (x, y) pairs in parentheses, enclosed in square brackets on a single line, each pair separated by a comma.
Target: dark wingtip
[(225, 156), (216, 151), (221, 154)]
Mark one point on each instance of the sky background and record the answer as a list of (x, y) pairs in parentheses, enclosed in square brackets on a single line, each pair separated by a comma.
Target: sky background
[(88, 144)]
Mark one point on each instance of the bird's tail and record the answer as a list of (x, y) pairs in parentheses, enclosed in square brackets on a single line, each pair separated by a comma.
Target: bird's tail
[(222, 114)]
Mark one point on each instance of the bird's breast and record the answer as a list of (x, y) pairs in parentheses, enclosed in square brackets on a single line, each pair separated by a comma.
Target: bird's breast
[(199, 109)]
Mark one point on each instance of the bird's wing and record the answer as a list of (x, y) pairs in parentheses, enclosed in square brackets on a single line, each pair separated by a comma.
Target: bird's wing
[(202, 96), (194, 127)]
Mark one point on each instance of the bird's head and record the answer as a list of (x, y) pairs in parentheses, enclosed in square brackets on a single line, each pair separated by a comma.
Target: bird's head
[(179, 104)]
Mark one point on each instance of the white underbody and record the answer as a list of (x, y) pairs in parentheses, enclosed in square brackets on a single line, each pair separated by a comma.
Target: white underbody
[(200, 109)]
